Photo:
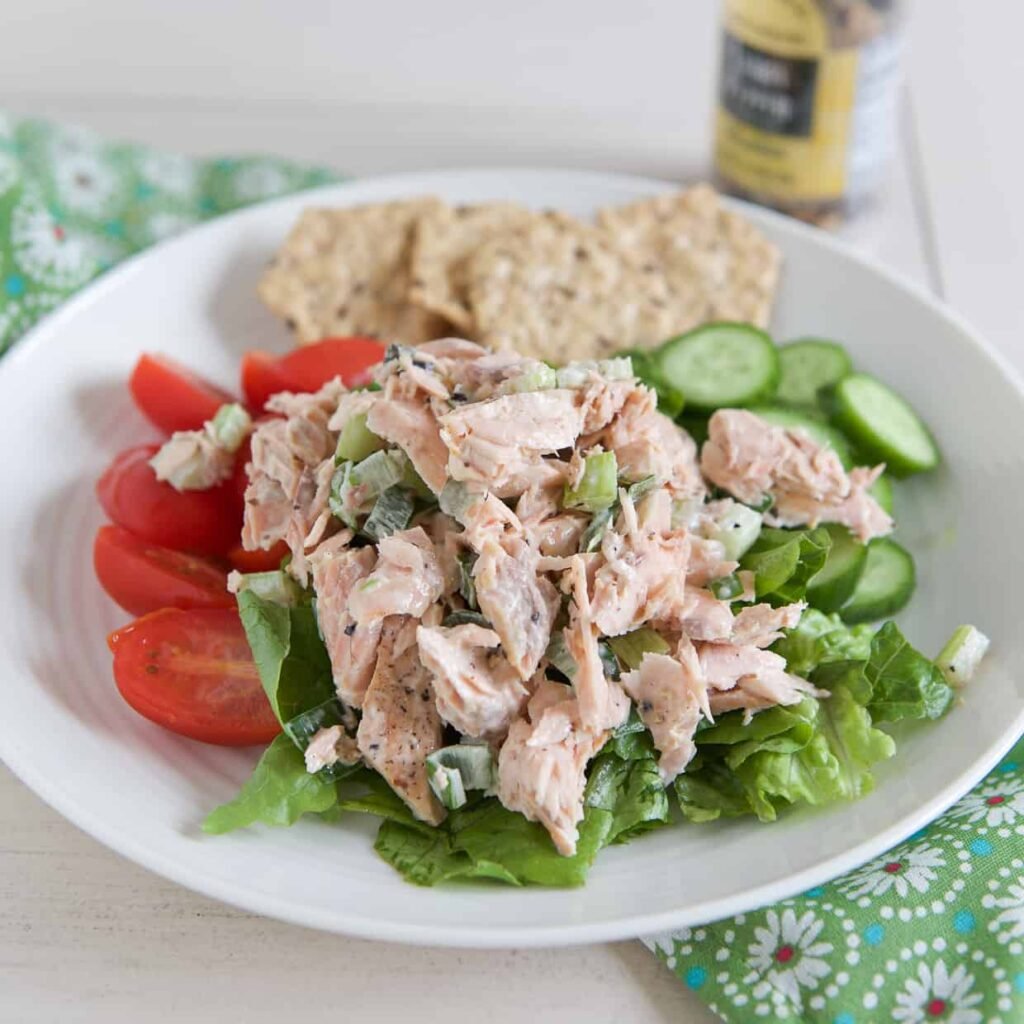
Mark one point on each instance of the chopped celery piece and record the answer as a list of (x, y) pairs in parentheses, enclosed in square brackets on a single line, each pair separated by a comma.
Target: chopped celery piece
[(467, 588), (641, 488), (390, 514), (379, 471), (736, 528), (630, 648), (453, 770), (598, 487), (539, 377), (685, 512), (230, 426), (412, 481), (575, 375), (303, 727), (596, 529), (275, 586), (456, 499), (357, 441), (447, 785), (960, 658), (339, 494), (726, 588), (355, 486)]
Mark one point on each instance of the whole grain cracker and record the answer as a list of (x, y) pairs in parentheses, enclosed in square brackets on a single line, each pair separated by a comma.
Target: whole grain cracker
[(717, 264), (557, 289), (444, 240), (346, 271)]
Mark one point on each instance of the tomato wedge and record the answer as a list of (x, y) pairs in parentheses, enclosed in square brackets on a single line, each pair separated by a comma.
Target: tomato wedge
[(193, 673), (142, 577), (202, 522), (311, 366), (257, 561), (261, 378), (171, 396), (308, 368)]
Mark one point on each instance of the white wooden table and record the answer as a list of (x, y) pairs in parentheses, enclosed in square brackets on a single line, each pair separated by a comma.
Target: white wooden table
[(87, 936)]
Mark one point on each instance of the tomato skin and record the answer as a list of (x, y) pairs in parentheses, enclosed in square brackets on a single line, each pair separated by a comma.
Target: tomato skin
[(143, 577), (308, 368), (261, 378), (199, 522), (257, 561), (192, 672), (171, 396)]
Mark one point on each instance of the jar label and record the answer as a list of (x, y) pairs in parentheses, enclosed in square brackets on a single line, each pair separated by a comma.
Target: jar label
[(806, 102)]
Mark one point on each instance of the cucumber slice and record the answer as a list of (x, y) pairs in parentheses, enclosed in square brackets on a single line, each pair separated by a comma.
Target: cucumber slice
[(882, 424), (885, 585), (721, 365), (881, 491), (835, 583), (822, 433), (808, 365)]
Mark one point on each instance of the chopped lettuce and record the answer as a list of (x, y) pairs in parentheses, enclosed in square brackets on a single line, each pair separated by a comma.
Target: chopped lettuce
[(904, 683), (427, 857), (785, 561), (631, 741), (278, 792), (819, 639), (814, 752), (632, 791), (630, 648)]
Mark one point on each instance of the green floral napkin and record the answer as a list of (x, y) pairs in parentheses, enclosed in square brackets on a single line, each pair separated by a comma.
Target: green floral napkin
[(72, 205), (932, 931)]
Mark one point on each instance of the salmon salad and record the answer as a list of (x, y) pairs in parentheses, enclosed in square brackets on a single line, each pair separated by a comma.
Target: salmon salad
[(522, 612)]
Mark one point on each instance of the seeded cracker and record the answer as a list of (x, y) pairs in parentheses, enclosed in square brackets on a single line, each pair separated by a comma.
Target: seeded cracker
[(718, 266), (559, 290), (346, 271), (443, 241)]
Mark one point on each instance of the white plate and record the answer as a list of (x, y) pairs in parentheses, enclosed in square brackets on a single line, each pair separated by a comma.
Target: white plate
[(143, 791)]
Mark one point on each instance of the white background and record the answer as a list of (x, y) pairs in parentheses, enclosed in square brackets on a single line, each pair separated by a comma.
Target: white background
[(401, 85)]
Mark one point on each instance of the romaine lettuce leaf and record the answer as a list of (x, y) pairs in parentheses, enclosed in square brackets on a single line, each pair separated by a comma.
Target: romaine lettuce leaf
[(711, 791), (631, 790), (491, 835), (420, 857), (485, 840), (815, 752), (293, 664), (819, 639), (279, 792), (904, 683), (785, 561), (631, 740)]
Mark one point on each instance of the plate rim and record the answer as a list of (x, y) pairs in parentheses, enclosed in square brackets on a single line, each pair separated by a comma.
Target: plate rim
[(546, 935)]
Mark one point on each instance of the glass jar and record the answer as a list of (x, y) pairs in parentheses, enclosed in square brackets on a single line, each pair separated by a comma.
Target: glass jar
[(807, 103)]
